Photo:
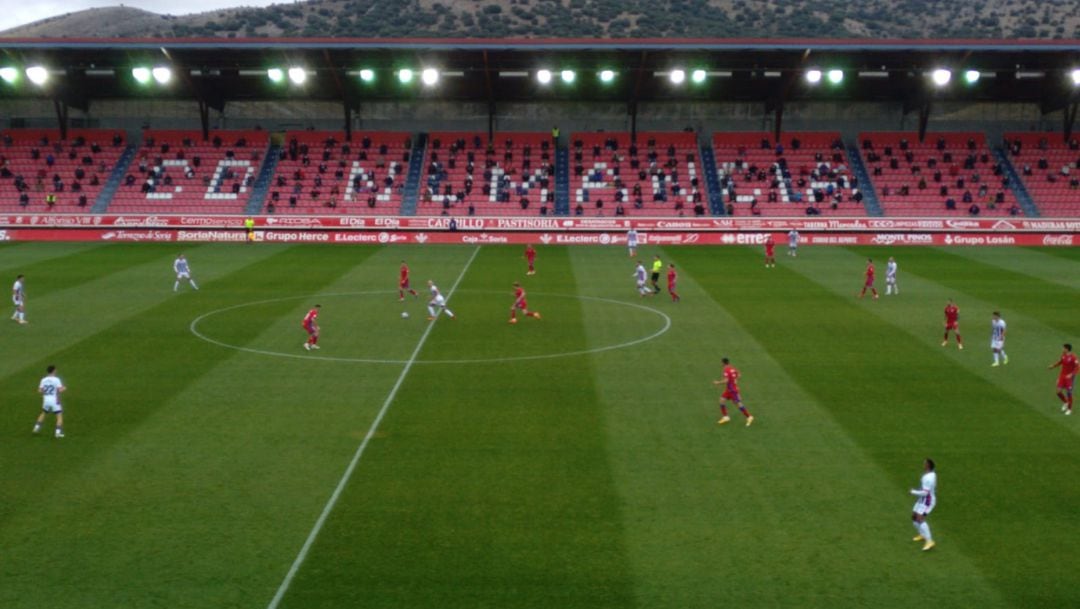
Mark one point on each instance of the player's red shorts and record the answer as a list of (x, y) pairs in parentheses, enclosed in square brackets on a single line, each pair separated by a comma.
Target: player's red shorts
[(731, 395), (671, 287), (869, 282), (769, 252), (952, 325), (404, 284), (524, 306), (1066, 383), (310, 329)]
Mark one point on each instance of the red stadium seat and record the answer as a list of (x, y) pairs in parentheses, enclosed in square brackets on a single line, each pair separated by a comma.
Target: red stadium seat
[(957, 164), (175, 171), (807, 170), (26, 154), (463, 173), (1054, 188)]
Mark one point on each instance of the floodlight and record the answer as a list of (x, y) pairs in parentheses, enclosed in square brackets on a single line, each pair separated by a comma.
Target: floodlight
[(405, 75), (607, 75), (429, 76), (677, 77), (9, 74), (297, 75), (941, 77), (162, 75), (698, 76), (568, 76), (1076, 77), (813, 76), (835, 76), (141, 75), (972, 76), (543, 76), (37, 74), (367, 75), (275, 74)]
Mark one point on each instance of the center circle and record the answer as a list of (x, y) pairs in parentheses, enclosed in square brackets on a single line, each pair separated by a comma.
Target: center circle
[(195, 323)]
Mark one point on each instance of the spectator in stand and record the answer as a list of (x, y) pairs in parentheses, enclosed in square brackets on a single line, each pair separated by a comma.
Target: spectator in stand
[(579, 210), (974, 209), (950, 204)]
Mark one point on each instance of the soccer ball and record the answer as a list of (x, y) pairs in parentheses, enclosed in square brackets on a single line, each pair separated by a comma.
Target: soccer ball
[(404, 314)]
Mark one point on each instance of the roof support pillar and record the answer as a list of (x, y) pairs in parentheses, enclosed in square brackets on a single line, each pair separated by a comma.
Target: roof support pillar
[(924, 120), (778, 122), (61, 108), (491, 120), (631, 109), (204, 119), (1070, 119)]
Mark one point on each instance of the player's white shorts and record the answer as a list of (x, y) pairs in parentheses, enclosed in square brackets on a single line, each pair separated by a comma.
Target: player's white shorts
[(631, 244), (890, 279), (641, 284), (997, 344), (438, 301), (186, 275), (18, 301), (52, 407), (924, 507)]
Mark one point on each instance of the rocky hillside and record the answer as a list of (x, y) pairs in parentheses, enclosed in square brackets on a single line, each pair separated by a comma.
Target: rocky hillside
[(589, 18)]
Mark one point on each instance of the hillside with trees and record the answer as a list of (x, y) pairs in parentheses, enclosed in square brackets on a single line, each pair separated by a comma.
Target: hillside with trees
[(1045, 19)]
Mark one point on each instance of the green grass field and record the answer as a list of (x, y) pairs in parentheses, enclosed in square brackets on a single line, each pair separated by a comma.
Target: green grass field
[(569, 462)]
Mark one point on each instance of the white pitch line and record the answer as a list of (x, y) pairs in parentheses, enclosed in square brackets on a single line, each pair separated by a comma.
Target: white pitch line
[(330, 503)]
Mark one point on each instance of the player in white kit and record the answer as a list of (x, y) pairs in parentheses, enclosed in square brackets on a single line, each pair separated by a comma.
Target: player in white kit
[(631, 242), (641, 276), (437, 303), (927, 499), (183, 271), (997, 340), (891, 286), (50, 389), (18, 298), (792, 242)]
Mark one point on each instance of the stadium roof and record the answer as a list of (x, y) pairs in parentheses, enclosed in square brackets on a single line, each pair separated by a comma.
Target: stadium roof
[(217, 70)]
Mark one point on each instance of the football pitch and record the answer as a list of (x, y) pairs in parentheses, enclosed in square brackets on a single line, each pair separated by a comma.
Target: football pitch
[(572, 461)]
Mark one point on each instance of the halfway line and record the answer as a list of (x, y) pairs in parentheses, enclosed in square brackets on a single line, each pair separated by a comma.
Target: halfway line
[(360, 452)]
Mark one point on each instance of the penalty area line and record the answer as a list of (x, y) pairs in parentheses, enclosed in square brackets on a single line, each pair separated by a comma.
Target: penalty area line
[(332, 501)]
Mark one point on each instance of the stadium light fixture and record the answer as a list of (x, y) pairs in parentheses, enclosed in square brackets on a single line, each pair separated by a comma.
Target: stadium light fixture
[(607, 76), (405, 75), (9, 74), (1075, 74), (941, 77), (698, 76), (568, 76), (813, 76), (543, 76), (297, 75), (971, 76), (141, 75), (367, 75), (162, 75), (37, 75), (677, 77), (835, 76), (275, 75), (429, 76)]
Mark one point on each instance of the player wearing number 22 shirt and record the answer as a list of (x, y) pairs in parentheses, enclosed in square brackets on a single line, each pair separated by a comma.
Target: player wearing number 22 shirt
[(311, 326), (730, 383)]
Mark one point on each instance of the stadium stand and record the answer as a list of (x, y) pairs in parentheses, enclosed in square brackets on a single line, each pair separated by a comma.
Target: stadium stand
[(319, 172), (657, 175), (1050, 170), (464, 174), (175, 171), (804, 173), (947, 174), (40, 172)]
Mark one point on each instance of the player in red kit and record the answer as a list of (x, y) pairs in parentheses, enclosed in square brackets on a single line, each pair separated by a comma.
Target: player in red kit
[(520, 303), (869, 285), (952, 322), (403, 283), (1066, 378), (731, 393), (530, 256), (672, 277), (770, 252), (311, 326)]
